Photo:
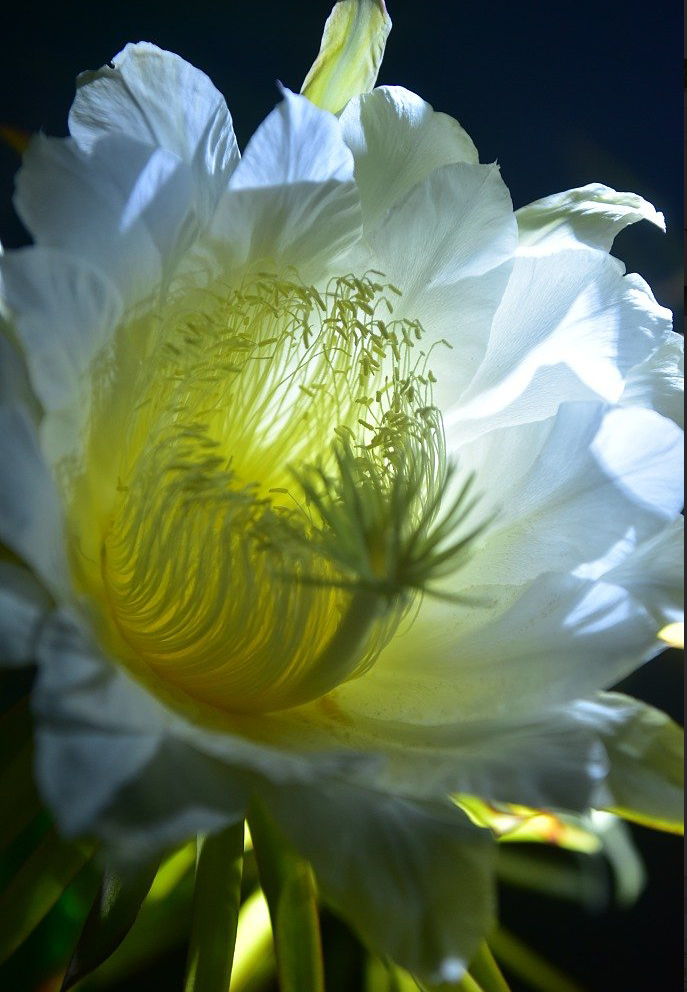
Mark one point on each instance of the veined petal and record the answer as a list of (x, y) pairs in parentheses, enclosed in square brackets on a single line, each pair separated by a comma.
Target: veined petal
[(23, 604), (158, 99), (659, 381), (655, 574), (592, 215), (448, 666), (570, 327), (64, 312), (125, 207), (580, 491), (292, 200), (296, 143), (397, 139), (545, 760), (449, 245), (30, 511), (414, 879), (646, 753)]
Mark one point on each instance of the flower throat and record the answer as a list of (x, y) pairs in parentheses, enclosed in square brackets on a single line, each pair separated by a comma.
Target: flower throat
[(279, 477)]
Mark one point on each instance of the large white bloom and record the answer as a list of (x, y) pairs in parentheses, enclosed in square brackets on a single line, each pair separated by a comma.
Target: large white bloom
[(334, 480)]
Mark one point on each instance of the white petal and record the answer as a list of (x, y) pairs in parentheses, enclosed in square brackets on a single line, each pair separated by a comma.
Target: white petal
[(592, 215), (654, 574), (659, 381), (107, 761), (159, 99), (559, 638), (414, 880), (547, 760), (124, 207), (397, 140), (292, 200), (449, 246), (107, 749), (178, 793), (570, 325), (646, 752), (30, 512), (577, 492), (23, 604), (15, 387), (64, 312), (296, 143)]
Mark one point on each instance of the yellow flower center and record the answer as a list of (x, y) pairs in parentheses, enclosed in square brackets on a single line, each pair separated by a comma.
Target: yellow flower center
[(264, 468)]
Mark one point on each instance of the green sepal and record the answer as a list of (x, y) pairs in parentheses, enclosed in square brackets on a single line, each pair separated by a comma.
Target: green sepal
[(36, 887), (216, 901), (112, 915), (646, 751), (350, 53), (289, 886)]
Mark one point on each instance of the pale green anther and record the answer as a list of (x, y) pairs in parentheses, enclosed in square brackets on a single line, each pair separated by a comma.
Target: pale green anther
[(350, 54)]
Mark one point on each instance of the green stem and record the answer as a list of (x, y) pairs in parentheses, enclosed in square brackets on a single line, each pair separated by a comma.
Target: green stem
[(289, 886), (216, 901)]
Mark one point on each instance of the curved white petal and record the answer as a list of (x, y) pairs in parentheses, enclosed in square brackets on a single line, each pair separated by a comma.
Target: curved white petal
[(157, 98), (659, 381), (397, 139), (292, 200), (559, 638), (124, 207), (646, 754), (99, 733), (655, 574), (296, 143), (579, 491), (15, 387), (415, 880), (449, 244), (30, 511), (64, 312), (543, 760), (570, 327), (591, 215)]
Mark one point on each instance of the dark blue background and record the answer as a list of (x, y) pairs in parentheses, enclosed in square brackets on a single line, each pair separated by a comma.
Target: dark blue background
[(560, 94)]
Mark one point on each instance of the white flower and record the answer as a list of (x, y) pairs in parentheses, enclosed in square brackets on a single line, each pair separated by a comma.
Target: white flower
[(233, 586)]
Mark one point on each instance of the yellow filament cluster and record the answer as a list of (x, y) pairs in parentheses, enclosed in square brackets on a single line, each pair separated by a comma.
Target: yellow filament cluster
[(265, 469)]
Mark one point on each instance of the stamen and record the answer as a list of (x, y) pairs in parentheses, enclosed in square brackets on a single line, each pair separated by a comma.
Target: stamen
[(278, 497)]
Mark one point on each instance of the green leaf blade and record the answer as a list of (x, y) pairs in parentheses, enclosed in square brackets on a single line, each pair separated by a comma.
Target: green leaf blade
[(112, 915), (289, 886), (216, 900)]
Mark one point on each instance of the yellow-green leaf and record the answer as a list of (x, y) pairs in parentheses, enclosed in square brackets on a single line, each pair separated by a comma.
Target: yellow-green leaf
[(289, 886), (216, 900), (350, 54), (254, 954)]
